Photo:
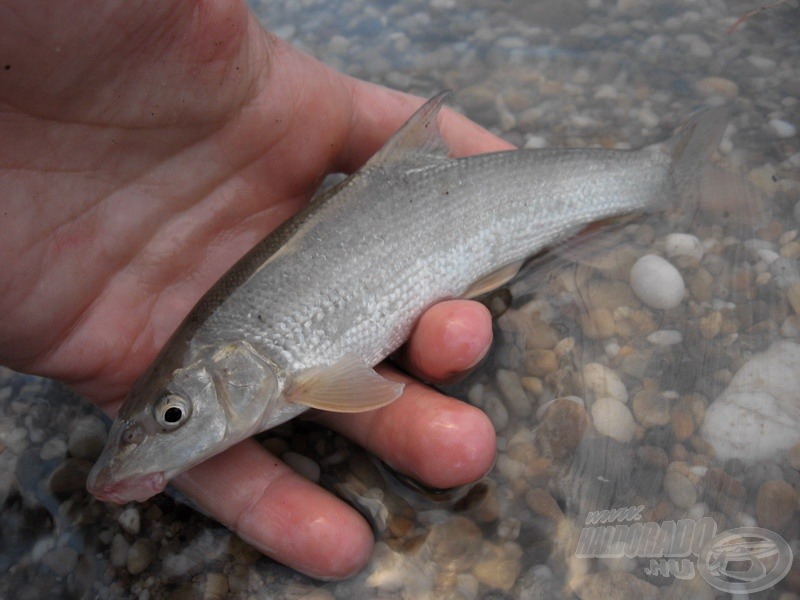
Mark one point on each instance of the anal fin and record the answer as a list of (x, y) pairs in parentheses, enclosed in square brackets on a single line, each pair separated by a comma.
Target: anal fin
[(493, 280), (347, 386)]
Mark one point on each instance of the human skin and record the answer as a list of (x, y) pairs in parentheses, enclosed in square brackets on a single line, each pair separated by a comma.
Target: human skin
[(144, 147)]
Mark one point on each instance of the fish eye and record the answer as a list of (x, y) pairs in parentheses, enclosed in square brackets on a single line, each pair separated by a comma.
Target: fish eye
[(172, 411)]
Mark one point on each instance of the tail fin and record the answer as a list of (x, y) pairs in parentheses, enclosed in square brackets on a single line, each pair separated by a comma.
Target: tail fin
[(692, 145)]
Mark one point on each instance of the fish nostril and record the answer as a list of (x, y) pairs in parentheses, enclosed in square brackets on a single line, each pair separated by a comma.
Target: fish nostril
[(132, 434)]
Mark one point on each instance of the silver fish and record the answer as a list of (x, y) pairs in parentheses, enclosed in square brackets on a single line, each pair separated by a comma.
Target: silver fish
[(300, 321)]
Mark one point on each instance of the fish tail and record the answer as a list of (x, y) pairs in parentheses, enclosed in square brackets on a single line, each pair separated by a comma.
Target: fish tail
[(691, 147)]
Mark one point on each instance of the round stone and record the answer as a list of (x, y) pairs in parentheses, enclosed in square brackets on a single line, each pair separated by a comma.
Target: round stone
[(562, 428), (129, 520), (783, 129), (87, 437), (612, 418), (656, 282), (683, 244), (776, 504), (651, 408), (680, 490), (303, 465), (140, 555), (602, 382)]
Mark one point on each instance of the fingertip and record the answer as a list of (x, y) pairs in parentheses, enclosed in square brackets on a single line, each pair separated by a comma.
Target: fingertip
[(310, 531), (461, 448), (280, 513), (450, 338)]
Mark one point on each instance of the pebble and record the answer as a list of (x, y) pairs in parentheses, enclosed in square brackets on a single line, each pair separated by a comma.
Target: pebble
[(665, 337), (496, 411), (118, 552), (542, 502), (498, 571), (683, 244), (651, 408), (758, 414), (603, 382), (62, 561), (656, 282), (457, 542), (70, 476), (302, 465), (217, 588), (776, 504), (87, 437), (53, 448), (518, 402), (613, 419), (783, 129), (681, 491), (140, 555), (597, 324), (562, 428), (540, 362), (711, 86), (129, 520)]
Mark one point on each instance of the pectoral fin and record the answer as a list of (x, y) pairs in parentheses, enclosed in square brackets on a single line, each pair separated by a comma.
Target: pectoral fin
[(493, 280), (348, 386)]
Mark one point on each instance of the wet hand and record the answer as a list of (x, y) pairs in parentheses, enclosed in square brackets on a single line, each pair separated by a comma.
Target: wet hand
[(131, 179)]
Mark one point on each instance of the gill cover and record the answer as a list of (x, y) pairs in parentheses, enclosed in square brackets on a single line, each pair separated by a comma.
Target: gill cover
[(245, 382)]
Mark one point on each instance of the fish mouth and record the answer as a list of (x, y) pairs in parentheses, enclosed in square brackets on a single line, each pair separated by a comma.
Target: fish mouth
[(133, 489)]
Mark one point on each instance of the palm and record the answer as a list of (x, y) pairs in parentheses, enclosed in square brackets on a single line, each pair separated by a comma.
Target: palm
[(138, 167), (152, 184)]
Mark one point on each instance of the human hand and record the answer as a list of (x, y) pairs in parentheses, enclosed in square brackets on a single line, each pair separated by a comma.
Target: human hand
[(143, 149)]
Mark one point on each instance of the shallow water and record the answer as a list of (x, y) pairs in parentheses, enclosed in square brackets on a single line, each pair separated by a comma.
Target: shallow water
[(599, 400)]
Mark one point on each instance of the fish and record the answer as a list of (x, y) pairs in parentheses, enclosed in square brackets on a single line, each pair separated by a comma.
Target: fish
[(301, 320)]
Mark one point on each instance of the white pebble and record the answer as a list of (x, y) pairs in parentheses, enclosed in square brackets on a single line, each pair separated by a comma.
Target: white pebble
[(761, 62), (129, 520), (767, 255), (782, 129), (683, 244), (511, 388), (535, 141), (613, 419), (757, 417), (604, 383), (656, 282), (606, 92), (665, 337), (53, 448), (698, 510), (302, 465)]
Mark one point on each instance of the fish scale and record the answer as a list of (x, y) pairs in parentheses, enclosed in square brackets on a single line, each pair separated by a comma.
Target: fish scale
[(301, 320)]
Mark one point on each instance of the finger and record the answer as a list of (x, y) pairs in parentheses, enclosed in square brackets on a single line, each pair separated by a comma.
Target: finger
[(280, 513), (450, 338), (425, 434)]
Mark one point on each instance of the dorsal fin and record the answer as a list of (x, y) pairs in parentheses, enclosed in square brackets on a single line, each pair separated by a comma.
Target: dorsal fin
[(418, 141)]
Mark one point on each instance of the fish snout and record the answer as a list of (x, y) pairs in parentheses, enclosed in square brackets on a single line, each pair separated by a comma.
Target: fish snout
[(101, 485)]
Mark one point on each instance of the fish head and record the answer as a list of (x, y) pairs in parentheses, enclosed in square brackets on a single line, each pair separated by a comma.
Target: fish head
[(176, 417)]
